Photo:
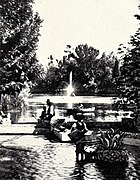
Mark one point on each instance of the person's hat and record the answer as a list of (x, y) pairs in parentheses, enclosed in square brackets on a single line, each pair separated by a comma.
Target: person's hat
[(48, 100)]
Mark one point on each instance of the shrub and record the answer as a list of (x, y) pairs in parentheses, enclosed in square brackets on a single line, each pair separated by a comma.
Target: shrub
[(111, 139)]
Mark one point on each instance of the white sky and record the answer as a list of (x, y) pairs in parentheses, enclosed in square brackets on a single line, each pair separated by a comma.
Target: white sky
[(103, 24)]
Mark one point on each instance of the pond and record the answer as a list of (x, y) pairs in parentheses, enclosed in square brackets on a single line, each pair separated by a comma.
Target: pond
[(36, 158), (102, 105)]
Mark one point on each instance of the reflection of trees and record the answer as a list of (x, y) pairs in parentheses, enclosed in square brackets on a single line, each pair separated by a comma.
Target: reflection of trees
[(85, 170), (100, 171), (19, 164)]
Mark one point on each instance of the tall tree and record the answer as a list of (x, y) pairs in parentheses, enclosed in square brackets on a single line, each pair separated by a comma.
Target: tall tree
[(129, 81), (92, 73), (104, 73), (83, 64), (19, 34)]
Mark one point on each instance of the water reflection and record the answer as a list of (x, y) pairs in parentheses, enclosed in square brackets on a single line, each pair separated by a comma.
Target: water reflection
[(102, 112), (99, 171), (17, 166), (29, 157), (34, 157), (86, 171)]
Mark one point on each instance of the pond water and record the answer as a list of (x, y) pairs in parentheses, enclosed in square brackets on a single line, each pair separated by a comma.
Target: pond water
[(100, 108), (35, 158), (31, 157)]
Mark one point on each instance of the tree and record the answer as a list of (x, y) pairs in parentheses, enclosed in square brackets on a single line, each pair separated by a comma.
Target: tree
[(91, 74), (82, 62), (19, 34), (129, 80), (104, 73)]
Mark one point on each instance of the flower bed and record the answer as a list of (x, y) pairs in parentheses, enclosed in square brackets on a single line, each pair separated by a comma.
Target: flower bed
[(111, 155), (109, 147)]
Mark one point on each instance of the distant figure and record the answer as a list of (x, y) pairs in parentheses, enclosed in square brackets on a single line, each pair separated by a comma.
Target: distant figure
[(4, 118), (80, 106), (2, 114), (73, 94), (50, 110), (78, 109)]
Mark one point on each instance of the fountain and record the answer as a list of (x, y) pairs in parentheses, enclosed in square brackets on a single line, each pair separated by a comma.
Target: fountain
[(70, 91), (70, 88)]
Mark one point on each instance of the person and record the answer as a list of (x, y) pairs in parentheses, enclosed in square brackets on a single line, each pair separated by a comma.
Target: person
[(79, 128), (4, 118), (2, 114), (42, 116), (80, 124), (50, 111), (47, 113), (81, 106)]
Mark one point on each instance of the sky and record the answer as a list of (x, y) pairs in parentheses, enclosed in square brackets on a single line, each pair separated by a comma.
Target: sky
[(102, 24)]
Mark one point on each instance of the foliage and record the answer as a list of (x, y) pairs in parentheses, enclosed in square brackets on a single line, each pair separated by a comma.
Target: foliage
[(111, 139), (129, 80), (105, 73), (90, 73), (18, 38), (16, 101), (110, 147), (53, 78)]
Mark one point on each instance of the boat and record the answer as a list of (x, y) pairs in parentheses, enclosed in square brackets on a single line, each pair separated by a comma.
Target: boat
[(63, 136), (59, 128)]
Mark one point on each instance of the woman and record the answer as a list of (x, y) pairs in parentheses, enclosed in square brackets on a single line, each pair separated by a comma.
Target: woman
[(80, 125), (77, 134)]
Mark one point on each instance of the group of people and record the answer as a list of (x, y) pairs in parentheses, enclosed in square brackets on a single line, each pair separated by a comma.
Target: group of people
[(47, 113), (77, 131)]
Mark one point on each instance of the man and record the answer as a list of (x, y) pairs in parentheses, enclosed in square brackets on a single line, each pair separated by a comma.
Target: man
[(50, 112)]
